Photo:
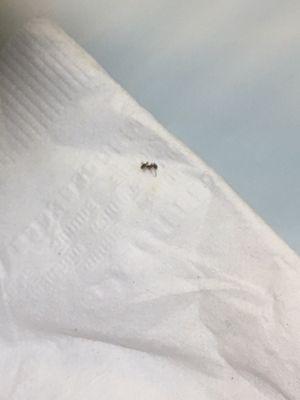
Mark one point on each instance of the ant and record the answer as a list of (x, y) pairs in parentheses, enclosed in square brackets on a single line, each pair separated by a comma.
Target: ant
[(149, 166)]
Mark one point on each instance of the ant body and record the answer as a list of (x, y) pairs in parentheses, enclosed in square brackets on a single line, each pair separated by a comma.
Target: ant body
[(149, 166)]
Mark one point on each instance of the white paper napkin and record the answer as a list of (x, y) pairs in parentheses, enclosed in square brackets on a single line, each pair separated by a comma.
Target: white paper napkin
[(116, 283)]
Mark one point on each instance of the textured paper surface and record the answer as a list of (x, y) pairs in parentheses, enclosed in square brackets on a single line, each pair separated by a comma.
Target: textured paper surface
[(116, 284)]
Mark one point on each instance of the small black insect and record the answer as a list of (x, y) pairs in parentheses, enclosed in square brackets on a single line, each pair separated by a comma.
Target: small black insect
[(149, 166)]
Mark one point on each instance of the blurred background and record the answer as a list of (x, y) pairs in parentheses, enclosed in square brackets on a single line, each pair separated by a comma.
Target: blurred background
[(222, 75)]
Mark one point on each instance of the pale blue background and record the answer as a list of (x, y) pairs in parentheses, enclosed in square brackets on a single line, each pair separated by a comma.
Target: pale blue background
[(223, 75)]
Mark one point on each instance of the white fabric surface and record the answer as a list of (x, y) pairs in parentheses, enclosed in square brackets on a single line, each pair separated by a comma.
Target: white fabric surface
[(116, 284)]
